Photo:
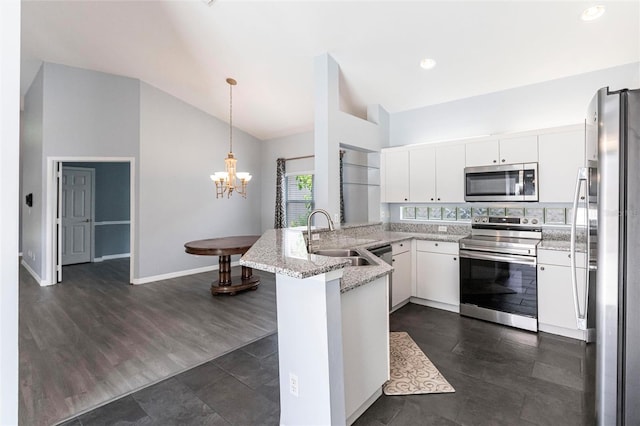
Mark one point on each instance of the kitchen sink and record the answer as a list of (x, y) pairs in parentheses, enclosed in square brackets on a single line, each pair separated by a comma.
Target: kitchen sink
[(351, 255), (358, 261), (337, 252)]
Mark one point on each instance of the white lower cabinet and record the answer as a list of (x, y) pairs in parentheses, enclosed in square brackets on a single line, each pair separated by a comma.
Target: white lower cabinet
[(438, 275), (401, 278), (556, 311)]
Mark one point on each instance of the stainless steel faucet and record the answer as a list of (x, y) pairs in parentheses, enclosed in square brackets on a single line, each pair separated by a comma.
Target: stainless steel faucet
[(324, 212)]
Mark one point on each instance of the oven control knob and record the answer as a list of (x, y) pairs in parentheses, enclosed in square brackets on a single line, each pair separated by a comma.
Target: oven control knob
[(525, 220), (485, 220), (534, 221)]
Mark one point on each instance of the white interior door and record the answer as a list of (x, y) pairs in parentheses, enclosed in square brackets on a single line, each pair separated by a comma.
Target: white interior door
[(76, 215)]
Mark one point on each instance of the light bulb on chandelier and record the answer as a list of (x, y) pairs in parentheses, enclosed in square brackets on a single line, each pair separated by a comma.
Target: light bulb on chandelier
[(230, 180)]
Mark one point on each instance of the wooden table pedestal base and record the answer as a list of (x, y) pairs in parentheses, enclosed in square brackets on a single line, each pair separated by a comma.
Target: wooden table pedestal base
[(224, 248), (227, 284)]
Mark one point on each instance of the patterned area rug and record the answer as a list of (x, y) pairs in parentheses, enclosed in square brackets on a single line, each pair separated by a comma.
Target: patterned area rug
[(411, 371)]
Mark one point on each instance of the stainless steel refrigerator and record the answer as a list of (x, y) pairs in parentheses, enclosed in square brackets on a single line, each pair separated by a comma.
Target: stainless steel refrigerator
[(613, 122)]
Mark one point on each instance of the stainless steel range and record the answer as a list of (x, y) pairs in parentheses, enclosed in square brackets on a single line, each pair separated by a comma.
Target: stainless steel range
[(498, 271)]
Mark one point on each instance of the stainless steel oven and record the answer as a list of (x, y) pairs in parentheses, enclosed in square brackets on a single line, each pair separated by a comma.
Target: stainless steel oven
[(498, 271), (509, 182)]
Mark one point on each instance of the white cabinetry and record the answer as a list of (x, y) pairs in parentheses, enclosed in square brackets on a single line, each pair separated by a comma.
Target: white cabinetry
[(436, 174), (482, 153), (401, 280), (394, 175), (438, 275), (450, 173), (556, 312), (512, 150), (365, 346), (422, 174), (561, 155), (521, 149)]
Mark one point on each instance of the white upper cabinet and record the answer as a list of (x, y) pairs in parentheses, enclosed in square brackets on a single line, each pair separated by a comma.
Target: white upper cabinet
[(422, 174), (561, 155), (483, 153), (520, 149), (394, 176), (450, 160), (436, 174)]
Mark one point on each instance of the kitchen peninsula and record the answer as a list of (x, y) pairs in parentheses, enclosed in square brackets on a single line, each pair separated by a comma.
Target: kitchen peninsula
[(333, 329), (333, 318)]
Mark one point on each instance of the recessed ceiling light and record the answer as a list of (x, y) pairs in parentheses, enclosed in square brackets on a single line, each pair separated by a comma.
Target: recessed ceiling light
[(427, 63), (592, 13)]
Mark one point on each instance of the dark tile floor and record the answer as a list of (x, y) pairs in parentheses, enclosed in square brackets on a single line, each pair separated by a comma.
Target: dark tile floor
[(502, 376)]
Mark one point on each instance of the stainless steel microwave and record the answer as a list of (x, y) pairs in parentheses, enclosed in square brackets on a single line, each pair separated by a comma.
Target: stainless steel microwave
[(509, 182)]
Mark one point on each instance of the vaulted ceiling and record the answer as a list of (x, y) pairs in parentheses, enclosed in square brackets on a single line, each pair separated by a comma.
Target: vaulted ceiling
[(189, 48)]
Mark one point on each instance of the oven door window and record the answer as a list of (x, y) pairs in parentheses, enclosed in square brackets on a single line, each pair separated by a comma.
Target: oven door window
[(500, 286), (503, 183)]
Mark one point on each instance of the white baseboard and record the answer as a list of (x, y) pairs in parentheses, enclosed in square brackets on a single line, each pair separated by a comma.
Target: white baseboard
[(400, 305), (35, 276), (177, 274), (365, 405), (112, 256), (562, 331), (437, 305)]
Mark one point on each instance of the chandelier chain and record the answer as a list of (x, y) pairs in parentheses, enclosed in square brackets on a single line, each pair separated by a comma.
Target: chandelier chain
[(230, 118)]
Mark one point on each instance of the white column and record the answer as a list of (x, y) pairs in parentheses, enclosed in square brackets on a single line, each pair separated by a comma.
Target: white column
[(9, 158), (310, 350), (326, 144)]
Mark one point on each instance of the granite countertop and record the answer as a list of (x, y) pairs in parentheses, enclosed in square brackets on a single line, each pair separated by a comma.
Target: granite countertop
[(561, 245), (283, 251)]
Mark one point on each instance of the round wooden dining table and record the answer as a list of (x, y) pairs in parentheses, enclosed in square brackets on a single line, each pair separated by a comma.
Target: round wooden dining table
[(224, 248)]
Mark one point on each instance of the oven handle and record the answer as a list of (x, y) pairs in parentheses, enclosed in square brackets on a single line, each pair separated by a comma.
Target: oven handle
[(509, 258)]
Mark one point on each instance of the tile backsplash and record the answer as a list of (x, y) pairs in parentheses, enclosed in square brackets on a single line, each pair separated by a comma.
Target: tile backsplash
[(556, 215)]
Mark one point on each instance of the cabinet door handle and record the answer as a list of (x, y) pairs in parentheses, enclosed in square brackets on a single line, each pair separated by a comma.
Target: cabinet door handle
[(401, 245), (542, 268), (436, 244), (405, 199), (432, 199), (455, 258), (438, 199), (495, 161), (393, 260), (503, 160)]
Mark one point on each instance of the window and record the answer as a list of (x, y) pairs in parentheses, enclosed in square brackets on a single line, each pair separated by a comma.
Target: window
[(299, 196)]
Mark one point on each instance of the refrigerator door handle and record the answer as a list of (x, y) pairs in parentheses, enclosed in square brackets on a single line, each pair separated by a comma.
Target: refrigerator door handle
[(581, 317)]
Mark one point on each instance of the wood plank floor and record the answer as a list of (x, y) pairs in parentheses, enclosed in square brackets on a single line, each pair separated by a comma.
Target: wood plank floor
[(502, 376), (94, 337)]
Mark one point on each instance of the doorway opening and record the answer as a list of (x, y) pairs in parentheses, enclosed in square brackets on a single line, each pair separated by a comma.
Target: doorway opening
[(91, 212)]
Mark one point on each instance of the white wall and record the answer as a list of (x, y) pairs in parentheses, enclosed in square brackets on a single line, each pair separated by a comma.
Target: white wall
[(180, 146), (82, 113), (299, 145), (32, 181), (9, 149), (548, 104)]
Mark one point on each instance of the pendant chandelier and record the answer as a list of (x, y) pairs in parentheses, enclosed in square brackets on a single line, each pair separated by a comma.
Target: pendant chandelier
[(230, 180)]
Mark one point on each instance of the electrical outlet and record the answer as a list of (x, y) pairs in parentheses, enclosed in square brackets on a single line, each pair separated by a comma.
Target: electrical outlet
[(315, 237), (442, 228), (293, 384), (336, 217)]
